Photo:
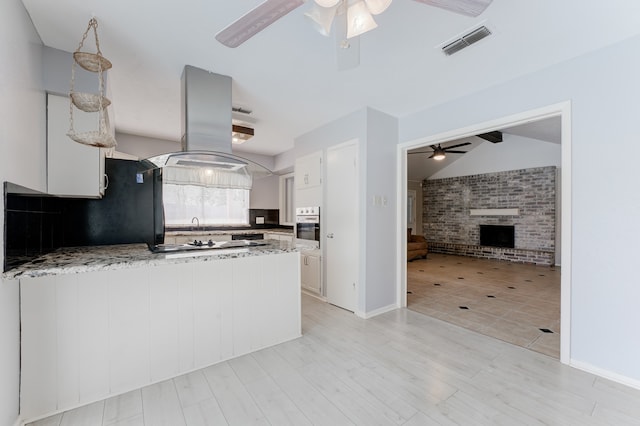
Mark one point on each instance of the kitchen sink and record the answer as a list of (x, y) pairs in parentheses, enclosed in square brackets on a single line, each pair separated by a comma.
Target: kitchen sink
[(216, 245)]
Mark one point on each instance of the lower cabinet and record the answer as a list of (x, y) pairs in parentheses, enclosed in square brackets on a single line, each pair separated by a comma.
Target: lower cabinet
[(310, 275), (88, 336)]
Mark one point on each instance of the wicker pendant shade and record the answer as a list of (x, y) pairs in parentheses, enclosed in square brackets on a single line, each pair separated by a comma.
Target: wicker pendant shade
[(91, 102)]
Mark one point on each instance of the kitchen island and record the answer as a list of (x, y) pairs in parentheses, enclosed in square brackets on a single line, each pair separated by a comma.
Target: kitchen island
[(101, 321)]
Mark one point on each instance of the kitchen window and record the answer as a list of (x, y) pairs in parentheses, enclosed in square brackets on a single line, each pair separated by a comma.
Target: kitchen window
[(211, 205)]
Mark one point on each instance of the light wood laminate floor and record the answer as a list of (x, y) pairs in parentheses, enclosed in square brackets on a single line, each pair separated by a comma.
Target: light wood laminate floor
[(399, 368), (514, 302)]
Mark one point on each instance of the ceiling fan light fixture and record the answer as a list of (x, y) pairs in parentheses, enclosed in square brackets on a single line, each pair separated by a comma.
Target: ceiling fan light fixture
[(359, 19), (438, 153), (241, 134), (327, 3), (322, 18), (376, 7)]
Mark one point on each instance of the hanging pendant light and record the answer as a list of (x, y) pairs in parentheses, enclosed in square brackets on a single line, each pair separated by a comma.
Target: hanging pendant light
[(322, 17), (327, 3), (359, 19), (376, 7)]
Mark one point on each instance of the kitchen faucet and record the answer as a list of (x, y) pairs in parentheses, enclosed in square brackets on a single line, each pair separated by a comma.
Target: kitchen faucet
[(197, 221)]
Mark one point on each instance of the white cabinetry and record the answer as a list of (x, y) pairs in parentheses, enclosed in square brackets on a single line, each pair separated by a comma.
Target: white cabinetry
[(73, 169), (308, 171), (310, 278), (89, 336)]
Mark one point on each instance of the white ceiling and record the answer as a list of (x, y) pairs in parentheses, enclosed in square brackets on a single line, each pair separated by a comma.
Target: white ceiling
[(287, 73)]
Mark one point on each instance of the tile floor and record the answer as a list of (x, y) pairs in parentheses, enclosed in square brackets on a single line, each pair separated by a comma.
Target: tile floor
[(510, 301)]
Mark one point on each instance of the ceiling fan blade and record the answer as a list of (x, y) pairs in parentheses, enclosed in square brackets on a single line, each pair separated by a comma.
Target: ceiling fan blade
[(255, 21), (458, 145), (432, 155), (455, 152), (347, 50), (463, 7), (421, 152)]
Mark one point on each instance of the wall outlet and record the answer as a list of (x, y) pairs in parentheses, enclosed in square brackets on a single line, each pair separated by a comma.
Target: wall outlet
[(259, 220)]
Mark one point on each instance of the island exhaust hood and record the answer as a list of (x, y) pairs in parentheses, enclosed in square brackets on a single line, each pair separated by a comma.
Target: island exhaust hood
[(206, 157)]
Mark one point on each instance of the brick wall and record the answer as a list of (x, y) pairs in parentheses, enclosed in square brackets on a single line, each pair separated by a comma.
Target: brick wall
[(447, 223)]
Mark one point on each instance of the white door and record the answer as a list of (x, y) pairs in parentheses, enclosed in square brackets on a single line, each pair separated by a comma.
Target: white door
[(341, 225)]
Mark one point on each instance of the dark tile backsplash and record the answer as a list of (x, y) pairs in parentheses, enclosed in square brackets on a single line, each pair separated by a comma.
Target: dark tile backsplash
[(39, 224), (271, 217), (33, 226)]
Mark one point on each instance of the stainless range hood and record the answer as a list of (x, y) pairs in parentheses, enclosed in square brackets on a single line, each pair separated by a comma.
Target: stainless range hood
[(206, 136)]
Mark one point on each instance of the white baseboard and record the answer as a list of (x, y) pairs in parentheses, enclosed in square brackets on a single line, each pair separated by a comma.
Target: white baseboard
[(313, 294), (376, 312), (615, 377)]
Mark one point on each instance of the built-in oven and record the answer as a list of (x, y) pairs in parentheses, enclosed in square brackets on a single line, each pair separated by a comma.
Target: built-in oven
[(308, 225)]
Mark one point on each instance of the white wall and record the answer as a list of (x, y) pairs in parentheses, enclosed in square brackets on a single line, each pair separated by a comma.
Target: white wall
[(22, 161), (603, 89), (380, 236), (143, 146), (377, 134), (265, 193), (514, 153)]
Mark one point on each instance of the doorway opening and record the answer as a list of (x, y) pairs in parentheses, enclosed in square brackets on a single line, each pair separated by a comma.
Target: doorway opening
[(559, 113)]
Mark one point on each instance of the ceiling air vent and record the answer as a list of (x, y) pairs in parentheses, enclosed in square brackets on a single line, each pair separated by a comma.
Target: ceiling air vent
[(466, 40), (241, 110)]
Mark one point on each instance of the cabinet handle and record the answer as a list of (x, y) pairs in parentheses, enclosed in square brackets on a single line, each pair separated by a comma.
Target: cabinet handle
[(330, 235), (106, 181)]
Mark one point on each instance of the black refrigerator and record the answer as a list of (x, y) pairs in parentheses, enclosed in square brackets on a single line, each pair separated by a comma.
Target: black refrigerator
[(130, 211)]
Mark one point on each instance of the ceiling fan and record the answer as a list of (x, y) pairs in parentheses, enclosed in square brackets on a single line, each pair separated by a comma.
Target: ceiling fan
[(357, 17), (439, 153)]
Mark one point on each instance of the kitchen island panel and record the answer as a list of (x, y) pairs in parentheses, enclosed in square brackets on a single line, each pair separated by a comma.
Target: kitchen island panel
[(68, 347), (128, 328), (89, 336), (186, 338), (277, 273), (248, 294), (93, 329), (38, 341), (211, 282), (164, 320)]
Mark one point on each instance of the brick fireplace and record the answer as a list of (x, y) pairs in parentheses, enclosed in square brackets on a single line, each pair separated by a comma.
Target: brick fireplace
[(450, 227)]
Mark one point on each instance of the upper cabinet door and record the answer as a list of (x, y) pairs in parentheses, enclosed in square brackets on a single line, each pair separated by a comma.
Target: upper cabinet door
[(308, 171), (73, 169)]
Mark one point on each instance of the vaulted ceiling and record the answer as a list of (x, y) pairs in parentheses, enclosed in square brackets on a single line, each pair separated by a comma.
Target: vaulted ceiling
[(287, 74)]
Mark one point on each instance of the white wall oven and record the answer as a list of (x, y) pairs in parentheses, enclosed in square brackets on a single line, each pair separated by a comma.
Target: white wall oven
[(308, 225)]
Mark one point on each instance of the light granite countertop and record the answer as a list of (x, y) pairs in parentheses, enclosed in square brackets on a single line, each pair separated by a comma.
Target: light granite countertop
[(73, 260)]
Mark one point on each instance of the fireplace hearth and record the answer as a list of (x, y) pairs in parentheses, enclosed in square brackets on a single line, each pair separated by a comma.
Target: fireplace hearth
[(497, 236)]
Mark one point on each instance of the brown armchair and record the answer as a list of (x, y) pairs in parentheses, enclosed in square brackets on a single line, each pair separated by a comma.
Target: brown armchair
[(416, 246)]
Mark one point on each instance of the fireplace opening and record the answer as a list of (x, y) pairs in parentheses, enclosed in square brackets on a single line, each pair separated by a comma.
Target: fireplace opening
[(497, 235)]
